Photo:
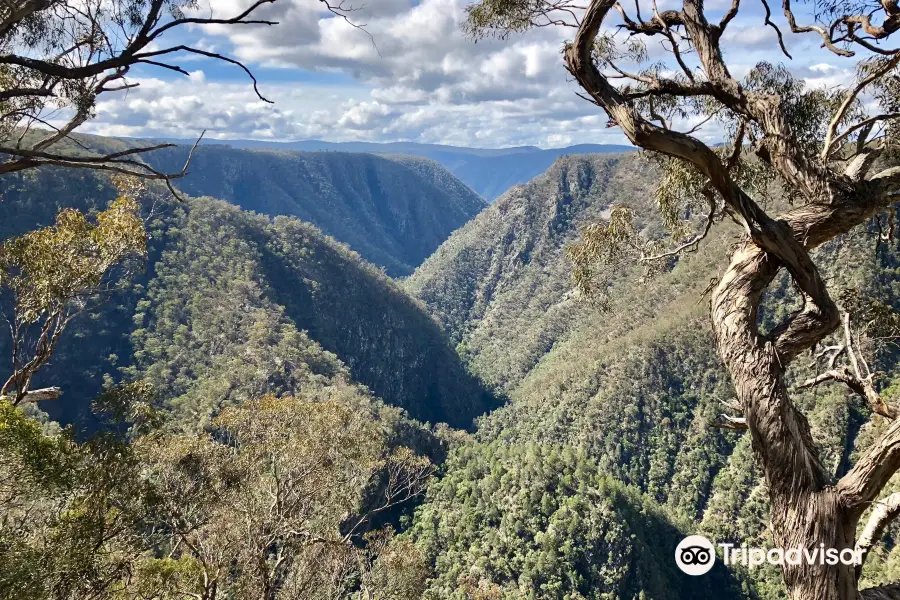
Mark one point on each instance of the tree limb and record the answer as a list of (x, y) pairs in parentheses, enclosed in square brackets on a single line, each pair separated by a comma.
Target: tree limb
[(114, 162), (865, 124), (862, 484), (692, 243), (131, 54), (841, 112), (884, 592), (729, 422), (883, 512), (863, 387), (50, 393), (855, 379), (768, 21), (827, 42)]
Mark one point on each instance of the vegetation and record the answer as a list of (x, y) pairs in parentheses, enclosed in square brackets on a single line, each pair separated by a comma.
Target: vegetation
[(305, 487), (222, 320), (634, 384), (833, 158), (197, 492), (261, 391), (51, 275), (246, 334), (232, 305), (531, 520), (395, 211), (501, 285), (275, 500)]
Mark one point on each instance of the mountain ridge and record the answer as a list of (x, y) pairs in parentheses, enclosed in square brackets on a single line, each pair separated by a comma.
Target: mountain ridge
[(394, 210), (489, 172)]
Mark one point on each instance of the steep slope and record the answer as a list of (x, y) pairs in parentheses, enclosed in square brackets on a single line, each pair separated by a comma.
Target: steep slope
[(393, 210), (488, 171), (233, 304), (636, 386), (225, 276), (501, 285)]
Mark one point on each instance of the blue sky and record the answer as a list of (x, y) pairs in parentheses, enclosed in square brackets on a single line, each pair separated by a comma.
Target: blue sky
[(421, 81)]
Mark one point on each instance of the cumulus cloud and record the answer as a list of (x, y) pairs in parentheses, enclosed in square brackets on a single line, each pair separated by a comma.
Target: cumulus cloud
[(414, 76)]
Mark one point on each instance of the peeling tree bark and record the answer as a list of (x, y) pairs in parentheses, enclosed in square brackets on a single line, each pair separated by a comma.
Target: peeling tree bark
[(808, 509), (884, 512), (805, 511)]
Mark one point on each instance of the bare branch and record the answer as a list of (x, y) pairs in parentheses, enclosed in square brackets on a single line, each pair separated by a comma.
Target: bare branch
[(768, 21), (19, 92), (341, 11), (890, 25), (856, 380), (883, 512), (825, 35), (658, 25), (730, 15), (143, 58), (691, 244), (132, 54), (50, 393), (729, 422)]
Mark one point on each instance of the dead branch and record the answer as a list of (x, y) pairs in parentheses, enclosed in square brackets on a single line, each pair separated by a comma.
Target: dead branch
[(883, 513), (40, 395), (861, 383)]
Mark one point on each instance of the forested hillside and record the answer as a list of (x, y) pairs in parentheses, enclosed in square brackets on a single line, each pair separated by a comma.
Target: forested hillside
[(501, 285), (232, 304), (394, 211), (377, 366), (579, 487), (631, 385)]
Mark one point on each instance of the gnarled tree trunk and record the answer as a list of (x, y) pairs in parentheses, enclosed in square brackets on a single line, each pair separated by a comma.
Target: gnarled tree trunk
[(809, 511), (806, 510)]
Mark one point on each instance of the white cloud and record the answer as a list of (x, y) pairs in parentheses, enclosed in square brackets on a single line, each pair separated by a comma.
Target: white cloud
[(421, 79)]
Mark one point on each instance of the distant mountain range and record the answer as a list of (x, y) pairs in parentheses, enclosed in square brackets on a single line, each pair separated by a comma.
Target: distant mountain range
[(490, 172)]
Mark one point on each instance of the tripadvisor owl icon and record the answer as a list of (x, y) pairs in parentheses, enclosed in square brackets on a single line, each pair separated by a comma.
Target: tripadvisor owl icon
[(695, 555)]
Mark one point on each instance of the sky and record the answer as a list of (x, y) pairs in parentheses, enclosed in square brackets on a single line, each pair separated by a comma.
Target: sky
[(410, 75)]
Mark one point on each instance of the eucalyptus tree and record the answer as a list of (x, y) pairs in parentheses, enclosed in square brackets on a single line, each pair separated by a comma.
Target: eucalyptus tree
[(51, 275), (280, 500), (831, 151)]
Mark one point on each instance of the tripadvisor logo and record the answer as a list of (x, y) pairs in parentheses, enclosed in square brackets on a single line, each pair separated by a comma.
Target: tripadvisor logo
[(696, 555)]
